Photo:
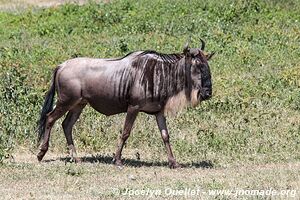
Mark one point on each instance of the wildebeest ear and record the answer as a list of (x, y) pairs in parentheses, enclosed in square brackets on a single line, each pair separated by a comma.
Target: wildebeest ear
[(210, 55), (202, 45), (186, 49)]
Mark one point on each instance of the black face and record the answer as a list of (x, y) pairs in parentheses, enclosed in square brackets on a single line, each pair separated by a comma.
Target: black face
[(201, 76), (200, 71)]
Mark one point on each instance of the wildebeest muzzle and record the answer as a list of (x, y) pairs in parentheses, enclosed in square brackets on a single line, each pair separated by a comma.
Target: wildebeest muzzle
[(204, 94)]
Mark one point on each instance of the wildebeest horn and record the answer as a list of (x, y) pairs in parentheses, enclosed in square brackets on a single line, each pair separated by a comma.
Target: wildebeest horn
[(202, 44), (186, 48)]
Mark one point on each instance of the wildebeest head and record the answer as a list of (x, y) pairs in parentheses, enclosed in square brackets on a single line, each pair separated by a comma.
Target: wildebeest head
[(199, 84)]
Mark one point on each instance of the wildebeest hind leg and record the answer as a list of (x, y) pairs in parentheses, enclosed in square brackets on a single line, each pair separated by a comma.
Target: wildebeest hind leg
[(130, 118), (54, 115), (161, 122), (68, 124)]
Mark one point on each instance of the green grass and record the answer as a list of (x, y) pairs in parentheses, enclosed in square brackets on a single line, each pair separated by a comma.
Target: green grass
[(253, 116)]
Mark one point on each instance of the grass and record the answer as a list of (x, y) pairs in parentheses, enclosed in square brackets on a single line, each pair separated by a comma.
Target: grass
[(252, 119)]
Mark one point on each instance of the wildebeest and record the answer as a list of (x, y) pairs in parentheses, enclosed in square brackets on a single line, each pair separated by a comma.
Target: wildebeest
[(142, 81)]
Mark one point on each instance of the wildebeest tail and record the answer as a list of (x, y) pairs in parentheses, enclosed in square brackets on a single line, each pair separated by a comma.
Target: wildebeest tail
[(47, 107)]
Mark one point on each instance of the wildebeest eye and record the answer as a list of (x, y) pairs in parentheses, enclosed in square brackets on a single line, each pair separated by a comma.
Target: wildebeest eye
[(197, 61)]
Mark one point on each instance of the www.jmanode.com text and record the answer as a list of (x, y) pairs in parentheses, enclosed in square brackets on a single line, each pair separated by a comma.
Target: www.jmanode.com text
[(190, 192)]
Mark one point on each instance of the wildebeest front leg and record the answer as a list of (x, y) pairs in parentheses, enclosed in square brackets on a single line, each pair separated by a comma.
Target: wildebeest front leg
[(130, 118), (161, 122)]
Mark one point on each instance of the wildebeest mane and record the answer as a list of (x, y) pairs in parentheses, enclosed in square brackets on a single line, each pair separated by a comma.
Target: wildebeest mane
[(165, 57), (128, 54)]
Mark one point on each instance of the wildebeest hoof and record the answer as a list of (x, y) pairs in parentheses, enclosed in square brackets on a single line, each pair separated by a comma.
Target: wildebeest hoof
[(174, 165), (39, 157), (41, 154), (119, 164), (77, 160), (74, 159)]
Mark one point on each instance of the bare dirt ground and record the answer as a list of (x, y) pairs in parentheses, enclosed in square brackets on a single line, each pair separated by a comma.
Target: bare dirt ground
[(96, 178), (15, 5)]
